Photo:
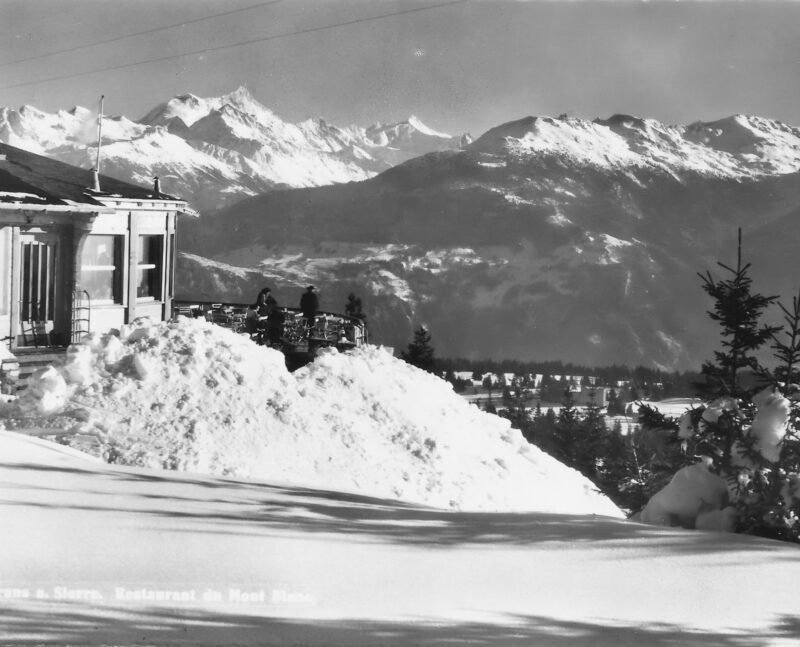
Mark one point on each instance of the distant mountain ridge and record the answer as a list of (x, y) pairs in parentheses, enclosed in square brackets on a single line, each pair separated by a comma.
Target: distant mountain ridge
[(215, 151), (546, 238), (738, 146)]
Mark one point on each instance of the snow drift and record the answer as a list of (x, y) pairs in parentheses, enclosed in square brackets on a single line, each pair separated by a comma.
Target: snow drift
[(188, 395), (696, 496)]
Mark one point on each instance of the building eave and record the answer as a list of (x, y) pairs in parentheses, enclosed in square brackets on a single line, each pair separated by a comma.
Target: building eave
[(50, 214)]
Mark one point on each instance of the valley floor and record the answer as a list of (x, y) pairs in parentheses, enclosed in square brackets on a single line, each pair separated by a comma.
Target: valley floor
[(89, 551)]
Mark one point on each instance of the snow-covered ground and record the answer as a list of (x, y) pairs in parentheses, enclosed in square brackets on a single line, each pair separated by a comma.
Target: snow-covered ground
[(98, 554), (190, 395), (357, 501)]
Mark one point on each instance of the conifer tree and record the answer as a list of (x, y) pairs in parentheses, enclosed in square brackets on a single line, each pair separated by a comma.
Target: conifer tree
[(617, 476), (748, 432), (354, 308), (738, 311), (542, 432), (488, 384), (591, 450), (614, 407), (787, 351), (567, 429), (420, 353), (516, 412)]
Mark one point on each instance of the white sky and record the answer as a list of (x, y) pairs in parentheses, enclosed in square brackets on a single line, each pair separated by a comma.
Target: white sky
[(463, 67)]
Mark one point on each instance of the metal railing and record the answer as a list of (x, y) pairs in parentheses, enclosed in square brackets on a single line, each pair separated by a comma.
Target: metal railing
[(80, 324), (286, 330)]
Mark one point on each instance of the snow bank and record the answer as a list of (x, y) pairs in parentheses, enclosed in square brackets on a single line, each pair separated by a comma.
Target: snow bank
[(191, 396), (694, 498), (698, 498), (770, 423)]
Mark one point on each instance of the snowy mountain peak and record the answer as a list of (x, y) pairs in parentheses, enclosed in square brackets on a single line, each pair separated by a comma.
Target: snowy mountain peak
[(221, 149), (242, 99), (735, 147), (630, 122), (416, 124), (77, 111), (190, 108), (186, 107), (407, 132), (27, 108)]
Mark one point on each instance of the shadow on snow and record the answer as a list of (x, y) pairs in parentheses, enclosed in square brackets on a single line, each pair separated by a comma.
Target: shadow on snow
[(246, 507), (177, 626)]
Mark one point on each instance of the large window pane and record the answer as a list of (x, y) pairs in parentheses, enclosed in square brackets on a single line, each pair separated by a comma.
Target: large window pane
[(101, 268), (171, 270), (5, 270), (151, 250)]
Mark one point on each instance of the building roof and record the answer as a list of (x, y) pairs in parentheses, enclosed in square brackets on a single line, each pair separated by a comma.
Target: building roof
[(28, 178)]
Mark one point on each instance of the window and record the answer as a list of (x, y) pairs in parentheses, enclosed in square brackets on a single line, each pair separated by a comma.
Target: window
[(149, 269), (101, 268), (171, 271), (5, 269)]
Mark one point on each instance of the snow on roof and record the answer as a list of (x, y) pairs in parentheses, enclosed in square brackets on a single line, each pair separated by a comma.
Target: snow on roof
[(58, 183), (192, 396), (20, 196)]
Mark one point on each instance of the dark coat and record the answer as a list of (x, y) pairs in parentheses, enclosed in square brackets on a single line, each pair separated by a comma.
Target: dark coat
[(264, 309), (309, 303)]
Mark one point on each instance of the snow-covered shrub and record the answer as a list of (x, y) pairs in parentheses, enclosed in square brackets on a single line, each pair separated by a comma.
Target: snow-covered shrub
[(746, 439), (753, 448)]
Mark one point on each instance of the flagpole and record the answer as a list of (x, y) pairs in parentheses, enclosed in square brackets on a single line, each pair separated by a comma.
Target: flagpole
[(99, 131), (99, 140)]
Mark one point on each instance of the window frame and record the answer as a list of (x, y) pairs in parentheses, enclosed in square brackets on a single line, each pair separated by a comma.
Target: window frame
[(116, 268), (144, 253)]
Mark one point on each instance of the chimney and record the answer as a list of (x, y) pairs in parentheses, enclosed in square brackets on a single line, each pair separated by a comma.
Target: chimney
[(156, 186), (95, 180)]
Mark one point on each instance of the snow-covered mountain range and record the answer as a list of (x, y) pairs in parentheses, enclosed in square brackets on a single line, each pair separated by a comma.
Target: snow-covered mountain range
[(544, 239), (215, 151), (739, 146)]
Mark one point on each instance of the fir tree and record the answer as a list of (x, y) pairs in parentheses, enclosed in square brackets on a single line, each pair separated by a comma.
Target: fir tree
[(420, 351), (748, 433), (488, 384), (615, 406), (567, 429), (542, 432), (516, 412), (354, 308), (591, 450), (787, 351), (617, 477), (738, 311)]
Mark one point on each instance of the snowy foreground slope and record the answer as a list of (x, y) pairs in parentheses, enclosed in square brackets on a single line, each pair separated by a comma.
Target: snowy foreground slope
[(189, 395), (98, 554)]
